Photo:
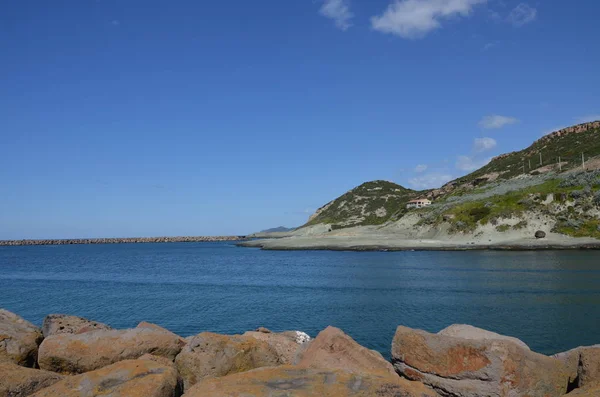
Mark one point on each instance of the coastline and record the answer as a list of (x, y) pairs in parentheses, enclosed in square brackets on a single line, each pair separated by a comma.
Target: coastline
[(124, 240), (386, 243)]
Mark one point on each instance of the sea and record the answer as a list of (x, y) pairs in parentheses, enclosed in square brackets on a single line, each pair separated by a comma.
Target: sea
[(548, 299)]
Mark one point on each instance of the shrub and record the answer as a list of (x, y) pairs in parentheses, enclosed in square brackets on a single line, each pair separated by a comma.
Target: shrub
[(520, 225), (502, 228), (597, 198), (577, 194), (479, 213)]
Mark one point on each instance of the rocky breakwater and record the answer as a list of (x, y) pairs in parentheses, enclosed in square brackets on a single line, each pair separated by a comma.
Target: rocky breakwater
[(125, 240), (73, 356)]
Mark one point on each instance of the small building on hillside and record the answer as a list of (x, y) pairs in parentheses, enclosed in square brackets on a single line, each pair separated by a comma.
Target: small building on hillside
[(419, 203)]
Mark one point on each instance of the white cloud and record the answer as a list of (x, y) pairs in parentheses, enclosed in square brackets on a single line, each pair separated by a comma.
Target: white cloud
[(466, 163), (421, 168), (496, 121), (490, 45), (413, 19), (484, 144), (339, 11), (429, 181), (522, 14), (587, 119)]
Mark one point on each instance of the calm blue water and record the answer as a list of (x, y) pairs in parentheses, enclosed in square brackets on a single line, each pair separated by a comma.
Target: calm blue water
[(551, 300)]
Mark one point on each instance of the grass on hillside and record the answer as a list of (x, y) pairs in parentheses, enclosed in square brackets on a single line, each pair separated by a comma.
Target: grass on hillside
[(368, 197), (568, 147)]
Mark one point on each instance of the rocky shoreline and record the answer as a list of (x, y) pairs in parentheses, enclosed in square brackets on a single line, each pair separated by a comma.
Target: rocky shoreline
[(386, 243), (72, 356), (125, 240)]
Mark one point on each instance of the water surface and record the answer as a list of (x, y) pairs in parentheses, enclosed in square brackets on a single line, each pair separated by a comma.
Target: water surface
[(550, 300)]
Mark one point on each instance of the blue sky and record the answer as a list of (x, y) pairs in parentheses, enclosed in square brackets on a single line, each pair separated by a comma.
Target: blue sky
[(144, 118)]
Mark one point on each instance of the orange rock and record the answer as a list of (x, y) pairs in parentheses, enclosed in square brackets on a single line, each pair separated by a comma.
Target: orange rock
[(590, 391), (293, 381), (286, 344), (73, 354), (17, 381), (129, 378), (476, 368), (584, 365), (55, 324), (19, 339), (209, 354), (333, 349)]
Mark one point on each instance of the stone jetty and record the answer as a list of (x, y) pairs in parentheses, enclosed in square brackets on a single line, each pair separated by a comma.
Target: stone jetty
[(74, 356), (124, 240)]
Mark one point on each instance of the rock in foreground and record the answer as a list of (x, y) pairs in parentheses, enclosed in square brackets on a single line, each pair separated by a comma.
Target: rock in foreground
[(476, 368), (285, 344), (18, 381), (75, 354), (19, 339), (583, 364), (209, 354), (290, 381), (469, 332), (55, 324), (333, 349), (129, 378)]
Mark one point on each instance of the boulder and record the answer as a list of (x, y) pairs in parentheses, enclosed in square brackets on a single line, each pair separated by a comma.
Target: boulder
[(78, 353), (306, 382), (476, 368), (126, 378), (286, 344), (19, 339), (55, 324), (540, 234), (18, 381), (209, 354), (333, 349), (469, 332), (158, 328), (583, 364)]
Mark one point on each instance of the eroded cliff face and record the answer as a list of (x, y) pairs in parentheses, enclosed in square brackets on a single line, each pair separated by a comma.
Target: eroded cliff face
[(458, 361)]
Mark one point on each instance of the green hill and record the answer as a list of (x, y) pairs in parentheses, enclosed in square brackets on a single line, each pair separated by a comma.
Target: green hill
[(377, 202), (372, 203), (567, 145)]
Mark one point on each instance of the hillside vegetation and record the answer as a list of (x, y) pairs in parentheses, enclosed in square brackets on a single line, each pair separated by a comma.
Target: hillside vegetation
[(568, 145), (372, 203), (505, 194)]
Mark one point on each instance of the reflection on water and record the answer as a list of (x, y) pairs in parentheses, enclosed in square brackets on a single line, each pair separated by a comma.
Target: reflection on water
[(549, 299)]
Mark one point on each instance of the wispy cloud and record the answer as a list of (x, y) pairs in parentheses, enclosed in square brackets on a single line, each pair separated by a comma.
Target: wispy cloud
[(413, 19), (490, 45), (484, 144), (496, 121), (339, 11), (469, 163), (587, 119), (429, 181), (421, 168), (522, 15)]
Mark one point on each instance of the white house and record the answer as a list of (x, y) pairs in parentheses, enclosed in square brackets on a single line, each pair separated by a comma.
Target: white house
[(419, 203)]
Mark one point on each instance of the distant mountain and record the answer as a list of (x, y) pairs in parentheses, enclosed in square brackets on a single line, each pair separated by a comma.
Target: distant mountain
[(279, 229)]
